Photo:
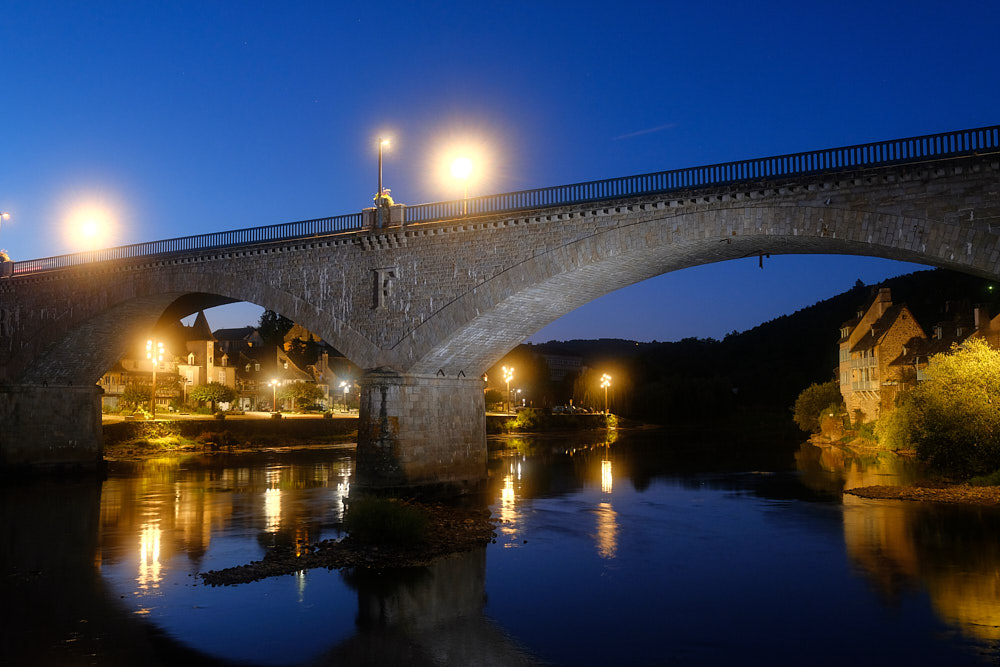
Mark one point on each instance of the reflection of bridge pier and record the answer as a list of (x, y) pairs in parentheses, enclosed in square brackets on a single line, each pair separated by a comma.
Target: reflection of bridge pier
[(431, 615)]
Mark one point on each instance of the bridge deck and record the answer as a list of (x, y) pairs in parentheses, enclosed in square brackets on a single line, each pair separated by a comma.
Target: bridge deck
[(912, 150)]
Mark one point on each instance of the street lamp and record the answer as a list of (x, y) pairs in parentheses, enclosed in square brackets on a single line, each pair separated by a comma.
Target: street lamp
[(4, 215), (605, 382), (346, 387), (154, 352), (461, 168), (274, 395), (508, 375), (378, 197)]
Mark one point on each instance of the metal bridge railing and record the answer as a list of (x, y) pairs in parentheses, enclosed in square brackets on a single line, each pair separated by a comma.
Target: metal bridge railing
[(983, 140), (235, 238), (879, 154)]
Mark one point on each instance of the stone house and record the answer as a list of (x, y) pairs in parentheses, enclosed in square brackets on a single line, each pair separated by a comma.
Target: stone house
[(871, 346), (883, 350)]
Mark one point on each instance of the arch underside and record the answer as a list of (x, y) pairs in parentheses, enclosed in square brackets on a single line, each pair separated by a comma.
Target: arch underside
[(86, 350), (503, 316)]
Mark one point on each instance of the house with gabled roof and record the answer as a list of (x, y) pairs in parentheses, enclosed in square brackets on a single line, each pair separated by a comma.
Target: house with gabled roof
[(871, 345)]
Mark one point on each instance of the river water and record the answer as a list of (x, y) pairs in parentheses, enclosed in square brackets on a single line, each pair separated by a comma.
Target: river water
[(640, 551)]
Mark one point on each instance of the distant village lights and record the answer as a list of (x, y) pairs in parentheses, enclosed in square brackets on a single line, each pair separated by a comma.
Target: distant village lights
[(154, 352)]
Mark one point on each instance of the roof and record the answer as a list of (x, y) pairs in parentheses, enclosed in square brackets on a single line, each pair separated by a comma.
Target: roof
[(239, 334), (879, 327), (200, 329)]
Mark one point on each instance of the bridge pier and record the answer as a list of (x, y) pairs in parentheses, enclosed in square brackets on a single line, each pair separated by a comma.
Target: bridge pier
[(50, 426), (420, 434)]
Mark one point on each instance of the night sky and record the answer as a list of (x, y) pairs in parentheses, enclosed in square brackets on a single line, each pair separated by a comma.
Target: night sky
[(157, 120)]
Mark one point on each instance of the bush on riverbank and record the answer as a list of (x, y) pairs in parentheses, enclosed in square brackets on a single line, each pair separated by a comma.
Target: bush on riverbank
[(951, 417), (815, 401)]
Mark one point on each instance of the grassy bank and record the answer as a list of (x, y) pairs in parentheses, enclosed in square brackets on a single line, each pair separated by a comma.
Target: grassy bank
[(137, 438)]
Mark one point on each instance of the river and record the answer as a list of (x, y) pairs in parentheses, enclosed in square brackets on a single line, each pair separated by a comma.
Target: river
[(640, 551)]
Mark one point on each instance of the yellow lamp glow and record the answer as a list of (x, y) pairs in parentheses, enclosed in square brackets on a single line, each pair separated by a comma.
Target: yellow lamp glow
[(461, 168), (90, 226)]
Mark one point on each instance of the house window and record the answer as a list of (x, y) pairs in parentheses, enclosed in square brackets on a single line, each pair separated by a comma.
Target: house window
[(222, 376), (256, 367), (191, 359)]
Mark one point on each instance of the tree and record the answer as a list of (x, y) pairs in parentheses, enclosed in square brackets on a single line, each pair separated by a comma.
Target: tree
[(301, 393), (213, 392), (135, 395), (273, 327), (952, 416), (812, 402)]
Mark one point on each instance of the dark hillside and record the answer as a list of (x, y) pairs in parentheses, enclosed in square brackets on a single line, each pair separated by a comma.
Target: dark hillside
[(765, 367)]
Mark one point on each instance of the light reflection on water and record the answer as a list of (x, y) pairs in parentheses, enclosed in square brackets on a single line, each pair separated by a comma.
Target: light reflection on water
[(660, 555)]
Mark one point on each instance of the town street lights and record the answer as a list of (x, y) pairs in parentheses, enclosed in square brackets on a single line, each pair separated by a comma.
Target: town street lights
[(154, 352), (605, 382), (461, 168), (274, 395), (378, 197), (508, 375)]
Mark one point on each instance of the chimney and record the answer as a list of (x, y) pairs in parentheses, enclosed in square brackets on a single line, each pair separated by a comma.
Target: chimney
[(980, 316)]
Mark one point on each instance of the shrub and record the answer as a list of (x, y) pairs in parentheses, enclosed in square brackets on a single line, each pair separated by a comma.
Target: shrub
[(385, 521), (992, 479), (955, 423), (894, 430), (811, 403)]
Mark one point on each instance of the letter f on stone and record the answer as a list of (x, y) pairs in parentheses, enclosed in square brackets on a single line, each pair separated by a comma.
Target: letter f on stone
[(385, 279)]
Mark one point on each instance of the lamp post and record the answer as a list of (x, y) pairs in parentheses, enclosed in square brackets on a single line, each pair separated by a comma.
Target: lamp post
[(605, 382), (508, 375), (461, 168), (346, 387), (154, 352), (274, 395), (378, 197), (4, 215)]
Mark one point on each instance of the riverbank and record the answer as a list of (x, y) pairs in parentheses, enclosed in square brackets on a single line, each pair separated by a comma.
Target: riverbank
[(964, 494), (127, 440)]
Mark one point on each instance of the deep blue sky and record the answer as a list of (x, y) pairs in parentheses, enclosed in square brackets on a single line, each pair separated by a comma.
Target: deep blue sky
[(192, 117)]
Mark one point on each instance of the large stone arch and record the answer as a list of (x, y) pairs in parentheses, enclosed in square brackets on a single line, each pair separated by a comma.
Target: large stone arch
[(82, 351), (491, 319)]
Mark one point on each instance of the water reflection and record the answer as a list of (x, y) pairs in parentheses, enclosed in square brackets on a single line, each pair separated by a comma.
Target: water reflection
[(623, 542), (149, 556), (953, 552)]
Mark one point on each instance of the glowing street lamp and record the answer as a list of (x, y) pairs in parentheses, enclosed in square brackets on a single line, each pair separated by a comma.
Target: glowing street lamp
[(605, 382), (346, 387), (508, 375), (461, 168), (274, 395), (4, 215), (154, 352), (378, 197)]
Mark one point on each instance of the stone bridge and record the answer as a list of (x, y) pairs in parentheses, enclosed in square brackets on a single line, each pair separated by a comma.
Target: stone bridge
[(428, 303)]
